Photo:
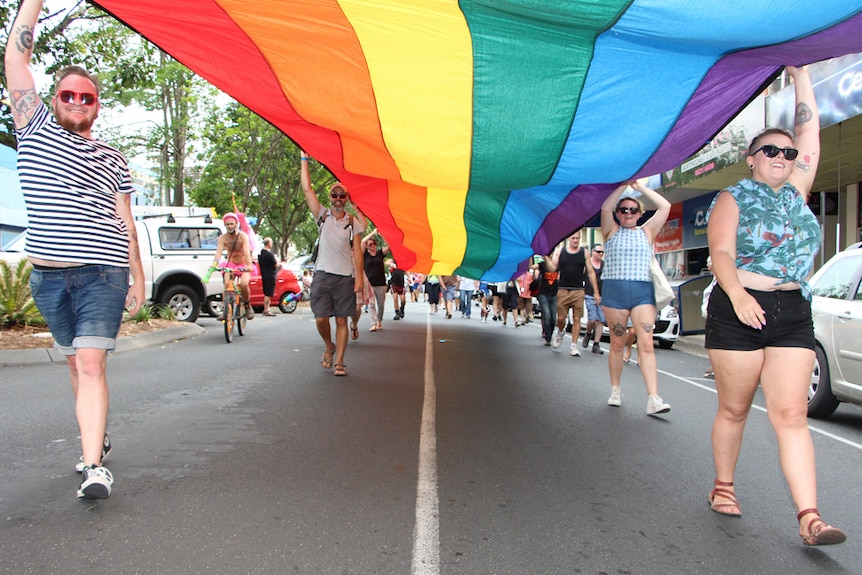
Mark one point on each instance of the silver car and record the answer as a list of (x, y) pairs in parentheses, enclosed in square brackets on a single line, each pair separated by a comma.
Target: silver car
[(836, 308)]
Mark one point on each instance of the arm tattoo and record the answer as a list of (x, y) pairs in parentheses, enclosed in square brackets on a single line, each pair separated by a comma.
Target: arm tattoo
[(803, 114), (24, 41), (23, 103), (134, 249), (803, 164)]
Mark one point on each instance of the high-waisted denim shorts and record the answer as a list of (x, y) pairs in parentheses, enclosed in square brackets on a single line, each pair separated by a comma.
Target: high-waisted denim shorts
[(627, 294)]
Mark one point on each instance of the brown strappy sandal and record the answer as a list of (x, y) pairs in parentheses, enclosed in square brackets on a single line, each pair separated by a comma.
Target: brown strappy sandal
[(819, 533), (326, 360), (340, 370), (731, 506)]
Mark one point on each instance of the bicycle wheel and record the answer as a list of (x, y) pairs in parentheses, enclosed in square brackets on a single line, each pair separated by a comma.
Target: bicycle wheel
[(240, 317), (229, 311)]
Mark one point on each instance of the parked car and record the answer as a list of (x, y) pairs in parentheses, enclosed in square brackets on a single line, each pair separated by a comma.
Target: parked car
[(286, 296), (836, 309)]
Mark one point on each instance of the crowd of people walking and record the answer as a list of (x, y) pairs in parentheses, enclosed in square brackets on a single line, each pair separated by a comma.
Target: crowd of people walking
[(759, 329)]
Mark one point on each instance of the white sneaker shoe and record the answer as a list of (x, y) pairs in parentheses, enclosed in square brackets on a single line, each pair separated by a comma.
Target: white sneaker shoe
[(655, 405), (95, 483), (616, 398), (558, 339), (574, 350), (106, 451)]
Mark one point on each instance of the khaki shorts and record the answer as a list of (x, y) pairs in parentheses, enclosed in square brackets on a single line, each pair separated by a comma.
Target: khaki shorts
[(570, 299)]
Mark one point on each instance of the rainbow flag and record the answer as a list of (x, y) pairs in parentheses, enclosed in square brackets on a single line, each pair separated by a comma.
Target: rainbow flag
[(475, 134)]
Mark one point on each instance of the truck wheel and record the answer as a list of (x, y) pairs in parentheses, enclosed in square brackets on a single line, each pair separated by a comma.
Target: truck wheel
[(287, 303), (214, 307), (184, 301)]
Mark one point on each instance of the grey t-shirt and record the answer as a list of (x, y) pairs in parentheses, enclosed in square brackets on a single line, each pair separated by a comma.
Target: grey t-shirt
[(335, 252)]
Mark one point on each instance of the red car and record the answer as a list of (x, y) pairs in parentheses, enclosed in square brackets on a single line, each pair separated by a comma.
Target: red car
[(286, 296), (287, 290)]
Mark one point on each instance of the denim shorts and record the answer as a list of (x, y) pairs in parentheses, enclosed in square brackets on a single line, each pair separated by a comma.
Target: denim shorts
[(788, 322), (449, 293), (627, 294), (594, 312), (83, 306)]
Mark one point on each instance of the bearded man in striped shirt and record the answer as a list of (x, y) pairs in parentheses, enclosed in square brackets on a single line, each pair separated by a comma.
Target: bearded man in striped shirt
[(81, 238)]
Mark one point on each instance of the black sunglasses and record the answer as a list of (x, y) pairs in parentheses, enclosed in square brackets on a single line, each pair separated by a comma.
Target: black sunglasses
[(771, 151), (341, 196), (629, 210), (68, 97), (599, 251)]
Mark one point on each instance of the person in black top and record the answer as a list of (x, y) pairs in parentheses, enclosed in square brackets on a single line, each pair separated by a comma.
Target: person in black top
[(396, 285), (570, 261), (268, 273), (595, 315), (375, 271), (547, 275)]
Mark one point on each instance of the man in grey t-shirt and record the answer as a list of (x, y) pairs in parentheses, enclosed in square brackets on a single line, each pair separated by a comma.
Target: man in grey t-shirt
[(338, 271)]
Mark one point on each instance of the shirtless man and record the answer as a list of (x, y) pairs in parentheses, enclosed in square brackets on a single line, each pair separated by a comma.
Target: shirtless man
[(238, 248)]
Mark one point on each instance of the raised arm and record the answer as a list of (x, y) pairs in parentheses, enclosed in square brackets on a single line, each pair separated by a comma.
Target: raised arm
[(609, 225), (305, 180), (807, 128), (653, 225), (19, 52)]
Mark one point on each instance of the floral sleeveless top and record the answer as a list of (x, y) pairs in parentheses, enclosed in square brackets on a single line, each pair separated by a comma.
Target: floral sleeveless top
[(778, 235)]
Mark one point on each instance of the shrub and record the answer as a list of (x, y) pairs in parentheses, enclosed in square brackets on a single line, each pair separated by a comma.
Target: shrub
[(150, 311), (16, 302)]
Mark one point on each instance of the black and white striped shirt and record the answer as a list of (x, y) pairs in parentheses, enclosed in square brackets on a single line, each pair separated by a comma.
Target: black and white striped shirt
[(70, 187)]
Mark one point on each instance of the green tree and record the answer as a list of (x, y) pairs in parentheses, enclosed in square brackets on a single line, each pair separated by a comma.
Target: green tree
[(131, 71), (55, 47), (252, 162)]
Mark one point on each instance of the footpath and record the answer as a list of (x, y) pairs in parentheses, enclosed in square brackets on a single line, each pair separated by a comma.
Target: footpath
[(51, 355)]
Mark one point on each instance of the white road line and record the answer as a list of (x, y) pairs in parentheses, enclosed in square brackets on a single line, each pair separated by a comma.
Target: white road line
[(822, 432), (426, 533)]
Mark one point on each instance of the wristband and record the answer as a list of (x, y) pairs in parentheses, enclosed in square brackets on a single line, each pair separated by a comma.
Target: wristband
[(303, 159)]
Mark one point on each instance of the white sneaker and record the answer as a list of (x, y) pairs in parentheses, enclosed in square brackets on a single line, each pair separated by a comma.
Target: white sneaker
[(616, 398), (574, 350), (558, 339), (95, 483), (106, 451), (655, 405)]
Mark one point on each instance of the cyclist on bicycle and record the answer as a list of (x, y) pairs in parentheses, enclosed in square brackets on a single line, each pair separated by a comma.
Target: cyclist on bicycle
[(238, 248)]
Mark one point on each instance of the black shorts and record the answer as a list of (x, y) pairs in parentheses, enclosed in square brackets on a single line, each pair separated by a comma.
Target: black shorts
[(788, 322), (268, 286)]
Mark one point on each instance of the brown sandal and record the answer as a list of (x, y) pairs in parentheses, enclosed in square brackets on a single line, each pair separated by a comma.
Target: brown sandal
[(326, 360), (340, 370), (819, 533), (731, 506)]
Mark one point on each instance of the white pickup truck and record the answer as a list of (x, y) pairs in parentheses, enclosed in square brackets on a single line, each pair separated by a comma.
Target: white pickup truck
[(176, 253)]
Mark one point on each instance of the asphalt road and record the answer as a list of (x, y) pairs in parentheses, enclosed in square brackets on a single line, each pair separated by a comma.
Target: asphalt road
[(453, 447)]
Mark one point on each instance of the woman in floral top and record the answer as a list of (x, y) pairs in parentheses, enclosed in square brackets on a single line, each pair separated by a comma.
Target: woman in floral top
[(762, 240)]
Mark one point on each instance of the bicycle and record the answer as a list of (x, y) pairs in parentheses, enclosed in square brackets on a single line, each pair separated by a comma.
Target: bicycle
[(234, 306)]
